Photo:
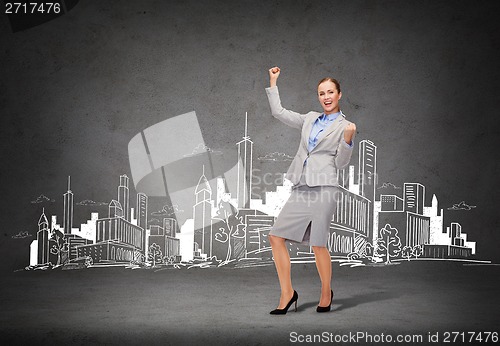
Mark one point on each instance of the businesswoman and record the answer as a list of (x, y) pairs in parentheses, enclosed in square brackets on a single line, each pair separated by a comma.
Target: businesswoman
[(325, 146)]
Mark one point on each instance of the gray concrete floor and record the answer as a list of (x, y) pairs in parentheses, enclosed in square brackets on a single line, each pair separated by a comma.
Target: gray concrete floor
[(231, 306)]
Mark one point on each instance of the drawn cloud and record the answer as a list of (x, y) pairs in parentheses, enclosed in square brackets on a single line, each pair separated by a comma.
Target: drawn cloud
[(461, 206), (388, 186), (22, 234), (42, 198), (277, 157), (202, 148), (91, 202), (168, 210)]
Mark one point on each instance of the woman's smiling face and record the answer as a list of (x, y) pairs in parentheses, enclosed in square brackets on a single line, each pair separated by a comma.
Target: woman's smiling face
[(329, 97)]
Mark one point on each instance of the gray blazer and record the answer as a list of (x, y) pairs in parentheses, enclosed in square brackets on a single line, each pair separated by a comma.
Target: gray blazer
[(329, 155)]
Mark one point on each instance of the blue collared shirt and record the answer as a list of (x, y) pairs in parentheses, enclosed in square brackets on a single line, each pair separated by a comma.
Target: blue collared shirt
[(321, 123)]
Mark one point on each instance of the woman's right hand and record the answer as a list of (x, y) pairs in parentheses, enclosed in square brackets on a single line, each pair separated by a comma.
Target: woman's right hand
[(274, 73)]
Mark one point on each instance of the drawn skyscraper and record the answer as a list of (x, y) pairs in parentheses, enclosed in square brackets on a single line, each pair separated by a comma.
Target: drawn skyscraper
[(115, 209), (367, 169), (202, 215), (170, 226), (142, 210), (367, 176), (123, 196), (68, 209), (414, 194), (244, 183), (456, 232), (42, 237), (437, 236)]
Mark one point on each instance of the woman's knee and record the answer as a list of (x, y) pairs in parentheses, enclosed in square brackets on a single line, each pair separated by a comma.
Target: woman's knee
[(274, 239), (319, 249)]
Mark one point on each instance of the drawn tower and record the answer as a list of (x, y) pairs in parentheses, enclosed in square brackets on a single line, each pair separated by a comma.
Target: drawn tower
[(123, 196), (142, 210), (68, 209), (436, 222), (414, 197), (244, 183), (115, 209), (42, 237), (367, 175), (202, 215)]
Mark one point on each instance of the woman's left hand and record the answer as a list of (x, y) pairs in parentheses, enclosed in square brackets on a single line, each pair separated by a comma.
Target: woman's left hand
[(349, 132)]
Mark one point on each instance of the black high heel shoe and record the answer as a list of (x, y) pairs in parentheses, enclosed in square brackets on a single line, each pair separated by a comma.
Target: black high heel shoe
[(285, 309), (325, 308)]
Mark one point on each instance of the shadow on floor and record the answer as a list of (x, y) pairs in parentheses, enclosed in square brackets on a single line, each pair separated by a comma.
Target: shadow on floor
[(347, 303)]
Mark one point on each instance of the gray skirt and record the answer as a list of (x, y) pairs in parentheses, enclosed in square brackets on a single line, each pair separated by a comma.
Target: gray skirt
[(306, 216)]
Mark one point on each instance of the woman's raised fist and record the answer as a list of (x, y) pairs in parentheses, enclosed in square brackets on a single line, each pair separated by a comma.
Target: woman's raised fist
[(274, 73)]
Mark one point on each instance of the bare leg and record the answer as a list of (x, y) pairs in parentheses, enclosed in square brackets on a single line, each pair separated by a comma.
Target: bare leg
[(324, 266), (283, 267)]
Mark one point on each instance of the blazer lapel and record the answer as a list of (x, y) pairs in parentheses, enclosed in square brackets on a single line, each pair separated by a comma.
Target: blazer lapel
[(332, 127), (307, 131)]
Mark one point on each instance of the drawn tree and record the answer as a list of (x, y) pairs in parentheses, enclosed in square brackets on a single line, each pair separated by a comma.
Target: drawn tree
[(154, 254), (407, 252), (417, 251), (168, 259), (59, 246), (232, 226), (388, 243)]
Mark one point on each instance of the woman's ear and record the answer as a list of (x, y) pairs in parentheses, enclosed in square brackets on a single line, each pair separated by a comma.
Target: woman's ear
[(340, 95)]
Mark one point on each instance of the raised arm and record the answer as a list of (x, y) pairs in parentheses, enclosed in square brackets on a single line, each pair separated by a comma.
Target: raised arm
[(288, 117)]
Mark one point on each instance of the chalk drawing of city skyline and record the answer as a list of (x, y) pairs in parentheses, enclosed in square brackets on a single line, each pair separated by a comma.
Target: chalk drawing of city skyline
[(227, 227)]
